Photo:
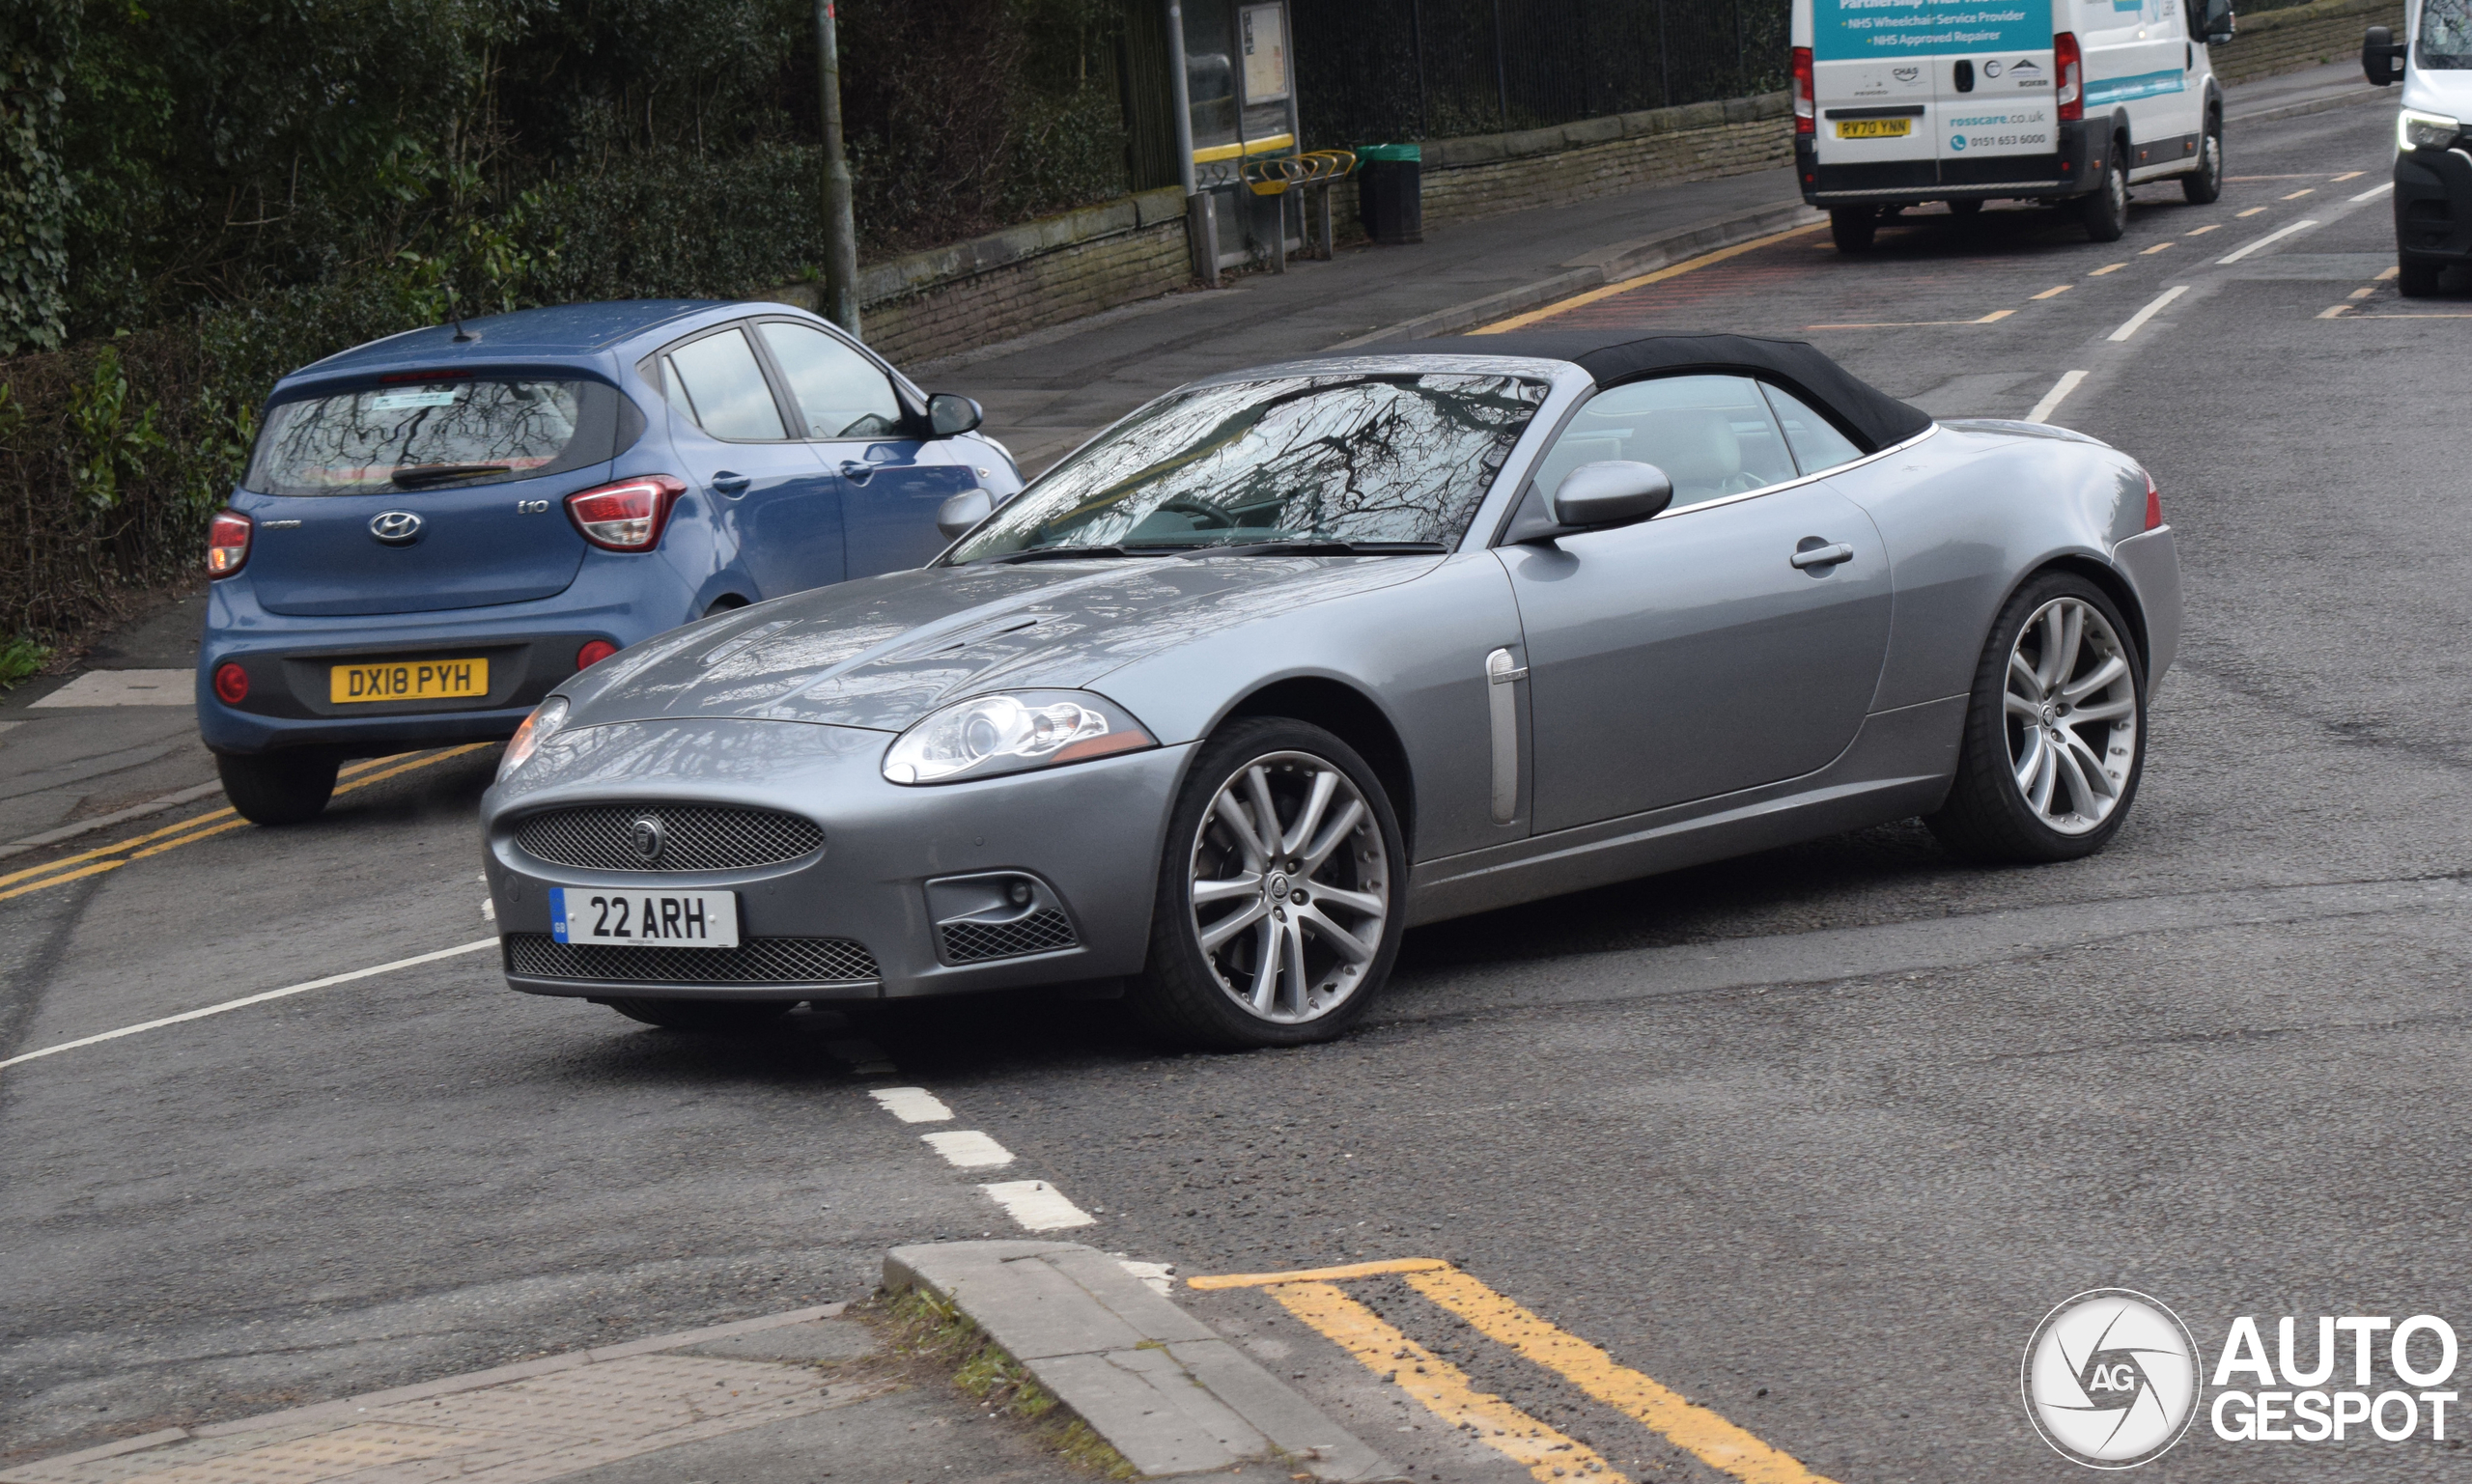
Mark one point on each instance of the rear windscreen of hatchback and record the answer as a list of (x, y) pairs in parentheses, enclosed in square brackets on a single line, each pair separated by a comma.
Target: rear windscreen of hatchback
[(410, 434)]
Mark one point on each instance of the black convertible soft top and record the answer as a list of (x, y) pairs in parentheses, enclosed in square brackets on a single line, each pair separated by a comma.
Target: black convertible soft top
[(1871, 416)]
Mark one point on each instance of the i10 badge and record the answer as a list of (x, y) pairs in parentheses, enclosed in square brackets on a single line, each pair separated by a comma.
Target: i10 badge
[(643, 919)]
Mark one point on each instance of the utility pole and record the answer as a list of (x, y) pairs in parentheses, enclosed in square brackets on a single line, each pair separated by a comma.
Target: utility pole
[(841, 226)]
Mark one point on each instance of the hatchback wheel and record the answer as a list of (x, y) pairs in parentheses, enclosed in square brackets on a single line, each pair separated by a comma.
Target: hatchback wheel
[(704, 1014), (2055, 734), (278, 788), (1277, 912)]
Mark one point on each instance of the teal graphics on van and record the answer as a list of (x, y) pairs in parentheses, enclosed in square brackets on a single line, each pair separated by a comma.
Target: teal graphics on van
[(1854, 30)]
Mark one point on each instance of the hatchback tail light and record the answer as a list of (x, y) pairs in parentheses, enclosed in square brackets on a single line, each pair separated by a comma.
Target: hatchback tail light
[(1806, 118), (231, 683), (2070, 64), (593, 652), (227, 543), (2154, 504), (628, 516)]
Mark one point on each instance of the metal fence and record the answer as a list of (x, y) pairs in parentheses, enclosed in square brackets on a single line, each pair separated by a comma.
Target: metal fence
[(1380, 70)]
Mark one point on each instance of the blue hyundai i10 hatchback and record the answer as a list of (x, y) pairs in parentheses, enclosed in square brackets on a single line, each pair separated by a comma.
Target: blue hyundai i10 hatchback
[(437, 527)]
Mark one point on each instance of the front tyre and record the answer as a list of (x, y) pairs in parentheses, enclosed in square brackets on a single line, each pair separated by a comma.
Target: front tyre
[(2054, 733), (2205, 184), (278, 788), (717, 1015), (1277, 913)]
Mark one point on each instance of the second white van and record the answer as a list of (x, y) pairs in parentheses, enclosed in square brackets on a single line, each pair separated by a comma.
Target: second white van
[(1898, 102)]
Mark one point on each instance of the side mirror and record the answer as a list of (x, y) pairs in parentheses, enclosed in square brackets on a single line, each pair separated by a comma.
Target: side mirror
[(1616, 491), (2381, 60), (2218, 22), (958, 516), (948, 414)]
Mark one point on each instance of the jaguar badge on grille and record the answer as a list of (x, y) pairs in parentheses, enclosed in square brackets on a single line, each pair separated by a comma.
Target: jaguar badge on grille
[(647, 837)]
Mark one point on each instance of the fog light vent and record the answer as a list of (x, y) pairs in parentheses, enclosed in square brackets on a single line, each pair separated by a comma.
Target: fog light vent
[(1002, 915)]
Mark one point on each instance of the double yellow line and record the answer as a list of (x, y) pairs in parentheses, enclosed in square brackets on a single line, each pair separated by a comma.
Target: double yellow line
[(113, 856), (1313, 1296)]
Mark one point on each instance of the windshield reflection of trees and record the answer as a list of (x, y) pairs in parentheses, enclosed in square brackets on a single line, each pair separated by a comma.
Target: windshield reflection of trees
[(348, 440), (1354, 458)]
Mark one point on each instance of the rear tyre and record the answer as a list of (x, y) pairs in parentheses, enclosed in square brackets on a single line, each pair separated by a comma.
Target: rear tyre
[(2054, 733), (278, 788), (1278, 914), (723, 1015), (2105, 211), (1965, 209), (2416, 278), (1853, 227), (2205, 184)]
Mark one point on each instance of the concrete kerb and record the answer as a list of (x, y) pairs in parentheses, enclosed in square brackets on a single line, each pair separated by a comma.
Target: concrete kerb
[(1608, 264), (1164, 1389), (2281, 111)]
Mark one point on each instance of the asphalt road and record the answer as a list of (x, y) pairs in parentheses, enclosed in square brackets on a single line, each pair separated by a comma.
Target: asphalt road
[(1815, 1138)]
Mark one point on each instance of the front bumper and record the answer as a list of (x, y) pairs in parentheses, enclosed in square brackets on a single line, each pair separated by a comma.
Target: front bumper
[(859, 919), (2434, 205), (2070, 171)]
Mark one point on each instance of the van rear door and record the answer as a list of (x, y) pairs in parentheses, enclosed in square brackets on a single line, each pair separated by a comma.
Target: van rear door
[(1934, 86), (1996, 95), (1874, 97)]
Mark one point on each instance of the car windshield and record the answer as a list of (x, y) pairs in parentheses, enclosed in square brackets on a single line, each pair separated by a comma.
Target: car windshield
[(1355, 458), (2446, 35), (418, 434)]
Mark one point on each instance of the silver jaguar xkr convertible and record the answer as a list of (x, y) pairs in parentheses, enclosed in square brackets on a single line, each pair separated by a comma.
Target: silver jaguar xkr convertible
[(1294, 659)]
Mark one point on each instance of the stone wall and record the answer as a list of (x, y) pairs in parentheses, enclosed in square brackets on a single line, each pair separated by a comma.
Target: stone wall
[(1490, 174), (2285, 40), (949, 299)]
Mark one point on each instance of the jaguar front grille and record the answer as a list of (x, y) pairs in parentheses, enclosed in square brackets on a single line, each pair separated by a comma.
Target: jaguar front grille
[(666, 837), (756, 961)]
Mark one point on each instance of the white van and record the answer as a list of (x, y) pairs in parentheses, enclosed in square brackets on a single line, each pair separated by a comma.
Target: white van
[(1902, 102), (2432, 133)]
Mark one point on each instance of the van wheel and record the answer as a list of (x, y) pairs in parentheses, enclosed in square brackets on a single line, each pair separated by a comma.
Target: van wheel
[(2416, 278), (278, 788), (2105, 212), (2203, 184), (1853, 226)]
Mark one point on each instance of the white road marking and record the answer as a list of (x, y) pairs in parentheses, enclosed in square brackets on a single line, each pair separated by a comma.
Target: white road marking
[(256, 1000), (2137, 321), (912, 1105), (969, 1149), (2268, 240), (126, 688), (2375, 191), (2057, 394), (1037, 1206)]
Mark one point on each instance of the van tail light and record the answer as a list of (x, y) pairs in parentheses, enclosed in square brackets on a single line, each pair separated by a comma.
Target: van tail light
[(1806, 119), (2154, 504), (2070, 64), (628, 516), (227, 543)]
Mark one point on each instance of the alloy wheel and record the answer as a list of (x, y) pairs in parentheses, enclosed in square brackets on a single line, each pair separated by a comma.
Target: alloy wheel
[(1291, 889), (2071, 710)]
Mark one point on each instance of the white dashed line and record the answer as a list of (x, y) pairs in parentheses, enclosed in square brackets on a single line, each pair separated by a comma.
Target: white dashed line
[(911, 1104), (969, 1149), (1037, 1206), (2268, 240), (2057, 394), (2137, 321), (256, 1000), (2375, 191)]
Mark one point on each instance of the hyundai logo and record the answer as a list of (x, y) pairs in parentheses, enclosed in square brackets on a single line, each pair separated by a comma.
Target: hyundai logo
[(396, 527), (647, 838)]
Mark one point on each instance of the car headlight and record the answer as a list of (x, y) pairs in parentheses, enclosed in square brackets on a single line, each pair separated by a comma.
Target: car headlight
[(1011, 732), (2414, 130), (545, 718)]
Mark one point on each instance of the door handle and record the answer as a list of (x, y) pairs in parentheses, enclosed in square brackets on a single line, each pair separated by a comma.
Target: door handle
[(729, 484), (1808, 557), (856, 471)]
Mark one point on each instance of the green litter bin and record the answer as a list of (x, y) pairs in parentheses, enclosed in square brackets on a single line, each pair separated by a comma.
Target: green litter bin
[(1390, 198)]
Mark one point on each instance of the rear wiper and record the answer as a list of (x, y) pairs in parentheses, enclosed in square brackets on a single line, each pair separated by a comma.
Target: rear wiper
[(411, 474), (1081, 553), (1310, 547)]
